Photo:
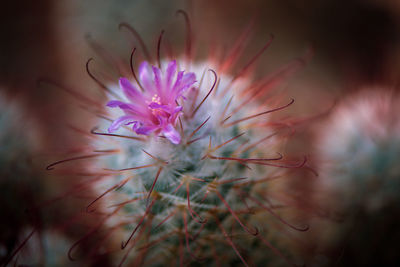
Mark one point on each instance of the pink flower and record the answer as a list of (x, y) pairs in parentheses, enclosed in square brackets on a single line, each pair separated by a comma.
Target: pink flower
[(155, 110)]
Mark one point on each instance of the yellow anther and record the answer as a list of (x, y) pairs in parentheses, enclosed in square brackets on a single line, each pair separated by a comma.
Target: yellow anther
[(156, 99)]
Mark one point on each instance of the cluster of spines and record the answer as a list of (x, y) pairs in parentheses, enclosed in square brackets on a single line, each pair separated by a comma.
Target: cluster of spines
[(220, 189)]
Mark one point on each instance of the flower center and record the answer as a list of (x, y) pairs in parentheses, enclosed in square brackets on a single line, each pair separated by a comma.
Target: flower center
[(156, 99)]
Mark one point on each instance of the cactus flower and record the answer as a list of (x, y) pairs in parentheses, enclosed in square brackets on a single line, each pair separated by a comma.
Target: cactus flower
[(156, 109)]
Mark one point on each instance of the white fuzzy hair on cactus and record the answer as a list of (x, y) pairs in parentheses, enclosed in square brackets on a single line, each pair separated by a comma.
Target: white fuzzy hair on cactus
[(183, 153)]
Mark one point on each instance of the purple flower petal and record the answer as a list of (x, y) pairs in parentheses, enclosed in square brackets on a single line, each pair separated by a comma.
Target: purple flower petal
[(171, 134), (155, 109), (178, 81), (157, 78), (146, 130), (129, 109), (119, 122), (154, 105), (145, 77), (171, 70), (129, 90)]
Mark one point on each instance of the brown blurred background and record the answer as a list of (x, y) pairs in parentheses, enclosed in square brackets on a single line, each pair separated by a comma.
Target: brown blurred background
[(356, 44)]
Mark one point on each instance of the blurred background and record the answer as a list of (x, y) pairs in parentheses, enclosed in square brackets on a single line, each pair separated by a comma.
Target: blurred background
[(356, 46)]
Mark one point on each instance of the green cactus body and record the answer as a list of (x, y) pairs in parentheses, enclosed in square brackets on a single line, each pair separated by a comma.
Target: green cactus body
[(191, 190), (364, 159), (185, 199), (359, 149)]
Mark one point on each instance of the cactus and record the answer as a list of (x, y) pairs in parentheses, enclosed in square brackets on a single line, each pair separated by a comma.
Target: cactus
[(183, 155), (33, 225), (359, 147), (16, 177), (23, 187)]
